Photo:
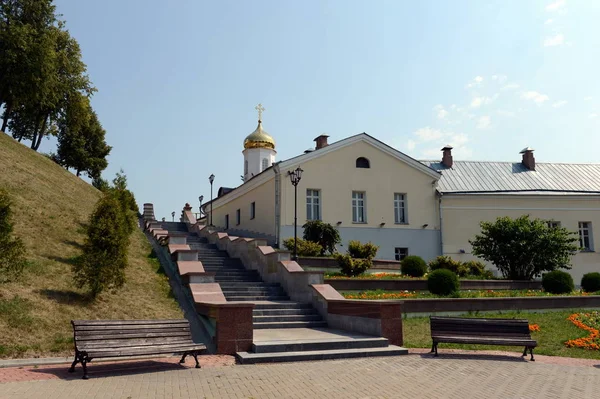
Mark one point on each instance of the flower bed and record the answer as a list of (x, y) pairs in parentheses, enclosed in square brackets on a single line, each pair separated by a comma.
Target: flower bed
[(381, 294), (371, 276), (589, 322)]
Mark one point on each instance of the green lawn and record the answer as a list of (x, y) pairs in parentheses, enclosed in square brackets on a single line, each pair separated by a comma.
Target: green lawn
[(555, 330)]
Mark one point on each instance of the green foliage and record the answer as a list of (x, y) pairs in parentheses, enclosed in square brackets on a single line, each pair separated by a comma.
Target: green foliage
[(12, 249), (126, 200), (413, 266), (100, 184), (446, 262), (590, 282), (476, 268), (102, 264), (304, 248), (362, 251), (322, 233), (352, 267), (558, 282), (524, 248), (442, 282)]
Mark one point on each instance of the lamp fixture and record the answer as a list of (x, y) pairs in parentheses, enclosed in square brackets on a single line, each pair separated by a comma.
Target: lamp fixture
[(339, 222), (461, 251), (425, 225), (381, 224)]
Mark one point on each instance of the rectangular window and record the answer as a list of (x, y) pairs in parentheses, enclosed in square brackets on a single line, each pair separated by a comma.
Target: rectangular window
[(585, 236), (252, 210), (226, 222), (238, 217), (358, 207), (553, 224), (401, 253), (313, 204), (400, 208)]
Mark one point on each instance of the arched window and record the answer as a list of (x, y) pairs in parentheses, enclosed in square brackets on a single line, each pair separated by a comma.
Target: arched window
[(362, 163), (245, 167), (265, 164)]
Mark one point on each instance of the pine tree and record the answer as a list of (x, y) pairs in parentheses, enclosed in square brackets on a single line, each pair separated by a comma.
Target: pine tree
[(102, 265)]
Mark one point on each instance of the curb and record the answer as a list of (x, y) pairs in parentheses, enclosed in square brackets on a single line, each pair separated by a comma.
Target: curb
[(45, 361)]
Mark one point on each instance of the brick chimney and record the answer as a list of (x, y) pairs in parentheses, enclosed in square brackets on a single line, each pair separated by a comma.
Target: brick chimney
[(447, 156), (528, 159), (321, 141)]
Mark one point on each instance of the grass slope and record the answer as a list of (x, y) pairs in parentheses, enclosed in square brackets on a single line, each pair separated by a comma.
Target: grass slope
[(51, 208)]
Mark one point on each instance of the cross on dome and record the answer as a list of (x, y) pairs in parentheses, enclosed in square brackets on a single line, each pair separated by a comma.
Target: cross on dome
[(260, 110)]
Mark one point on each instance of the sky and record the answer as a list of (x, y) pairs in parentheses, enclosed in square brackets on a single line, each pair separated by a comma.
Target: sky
[(178, 81)]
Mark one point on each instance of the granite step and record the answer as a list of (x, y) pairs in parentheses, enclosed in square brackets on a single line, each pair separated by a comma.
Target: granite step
[(283, 312), (264, 292), (319, 345), (254, 358), (235, 279), (281, 305), (290, 324), (248, 298), (288, 318)]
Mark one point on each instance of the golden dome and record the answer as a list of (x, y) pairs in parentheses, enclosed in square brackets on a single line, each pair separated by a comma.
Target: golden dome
[(259, 139)]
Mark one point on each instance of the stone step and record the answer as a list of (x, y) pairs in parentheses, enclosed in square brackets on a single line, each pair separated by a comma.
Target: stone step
[(248, 298), (317, 345), (249, 284), (283, 312), (236, 273), (280, 305), (282, 319), (253, 290), (254, 358), (267, 292), (290, 324), (233, 279)]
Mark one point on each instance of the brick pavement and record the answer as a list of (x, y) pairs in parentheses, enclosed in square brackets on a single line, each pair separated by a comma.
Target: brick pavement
[(452, 375)]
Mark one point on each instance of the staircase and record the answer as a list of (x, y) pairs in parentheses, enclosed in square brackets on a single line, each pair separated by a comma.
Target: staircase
[(284, 330)]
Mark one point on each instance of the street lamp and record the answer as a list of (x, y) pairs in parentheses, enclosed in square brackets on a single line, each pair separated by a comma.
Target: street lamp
[(173, 215), (211, 179), (295, 176), (200, 199)]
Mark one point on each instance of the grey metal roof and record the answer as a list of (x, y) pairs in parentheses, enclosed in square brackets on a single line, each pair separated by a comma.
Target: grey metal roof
[(512, 177)]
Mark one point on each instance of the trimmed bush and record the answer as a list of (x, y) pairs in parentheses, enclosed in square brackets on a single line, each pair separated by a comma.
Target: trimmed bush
[(446, 262), (475, 268), (558, 282), (352, 267), (358, 250), (304, 247), (590, 282), (442, 282), (413, 266), (323, 234)]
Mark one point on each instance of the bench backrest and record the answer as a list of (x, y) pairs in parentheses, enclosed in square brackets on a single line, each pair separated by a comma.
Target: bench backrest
[(461, 326), (115, 333)]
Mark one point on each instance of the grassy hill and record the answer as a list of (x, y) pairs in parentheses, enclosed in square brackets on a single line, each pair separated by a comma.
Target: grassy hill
[(51, 208)]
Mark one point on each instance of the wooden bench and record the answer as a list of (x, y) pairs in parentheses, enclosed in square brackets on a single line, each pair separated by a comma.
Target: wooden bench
[(96, 339), (459, 330)]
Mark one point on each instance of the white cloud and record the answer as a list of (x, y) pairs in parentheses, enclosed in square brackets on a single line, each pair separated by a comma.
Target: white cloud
[(476, 82), (484, 122), (437, 138), (479, 101), (410, 145), (429, 134), (555, 40), (500, 78), (511, 86), (441, 112), (478, 79), (503, 112), (557, 5), (588, 98), (534, 96), (593, 116), (559, 104), (548, 21)]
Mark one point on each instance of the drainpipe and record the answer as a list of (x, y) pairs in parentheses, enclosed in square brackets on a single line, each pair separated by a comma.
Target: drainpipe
[(277, 202), (441, 220)]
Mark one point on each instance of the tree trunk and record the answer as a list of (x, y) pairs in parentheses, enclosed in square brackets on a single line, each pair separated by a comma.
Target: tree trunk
[(78, 172), (7, 111), (40, 134)]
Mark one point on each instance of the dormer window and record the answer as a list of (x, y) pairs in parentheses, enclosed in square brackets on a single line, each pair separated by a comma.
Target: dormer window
[(362, 163)]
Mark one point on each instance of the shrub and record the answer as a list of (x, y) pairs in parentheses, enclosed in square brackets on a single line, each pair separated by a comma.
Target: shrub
[(590, 282), (413, 266), (12, 249), (322, 233), (446, 262), (362, 251), (352, 267), (102, 264), (475, 268), (558, 282), (442, 282), (304, 248)]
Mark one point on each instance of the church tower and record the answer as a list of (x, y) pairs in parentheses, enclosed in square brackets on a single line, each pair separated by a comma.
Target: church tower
[(259, 149)]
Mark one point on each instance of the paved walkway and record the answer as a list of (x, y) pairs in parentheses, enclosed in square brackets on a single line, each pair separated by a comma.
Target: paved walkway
[(453, 375)]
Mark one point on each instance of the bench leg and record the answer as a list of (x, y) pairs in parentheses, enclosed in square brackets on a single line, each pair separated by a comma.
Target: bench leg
[(524, 352), (435, 348), (72, 368), (183, 358), (531, 352), (195, 354), (432, 348), (84, 361)]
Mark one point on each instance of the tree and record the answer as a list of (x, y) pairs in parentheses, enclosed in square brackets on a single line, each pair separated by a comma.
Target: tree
[(322, 233), (12, 250), (523, 248), (102, 264), (126, 199)]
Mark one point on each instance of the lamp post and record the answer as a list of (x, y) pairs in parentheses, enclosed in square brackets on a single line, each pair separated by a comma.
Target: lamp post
[(211, 179), (173, 215), (295, 176), (200, 199)]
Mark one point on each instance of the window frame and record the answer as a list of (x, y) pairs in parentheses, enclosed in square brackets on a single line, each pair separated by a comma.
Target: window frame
[(312, 205), (356, 207), (397, 254), (264, 164), (252, 210), (363, 161), (227, 222), (238, 217), (585, 231), (404, 208)]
